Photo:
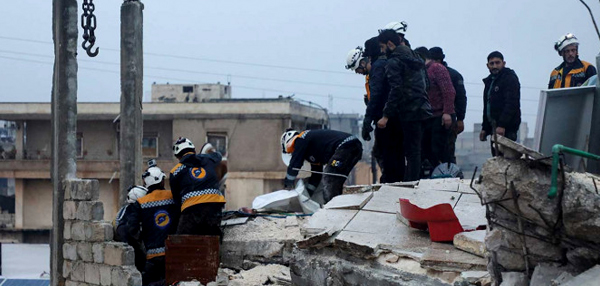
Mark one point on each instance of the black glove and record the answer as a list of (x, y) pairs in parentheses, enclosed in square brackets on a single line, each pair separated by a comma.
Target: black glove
[(288, 184), (367, 128)]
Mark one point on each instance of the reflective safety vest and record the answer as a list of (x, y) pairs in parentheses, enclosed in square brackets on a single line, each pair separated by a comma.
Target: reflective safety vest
[(575, 77)]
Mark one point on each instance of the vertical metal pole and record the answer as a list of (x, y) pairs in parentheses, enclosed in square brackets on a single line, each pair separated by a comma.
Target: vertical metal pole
[(64, 123), (594, 147), (132, 67)]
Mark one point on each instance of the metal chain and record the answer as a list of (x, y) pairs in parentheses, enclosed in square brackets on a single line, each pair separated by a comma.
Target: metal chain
[(88, 23)]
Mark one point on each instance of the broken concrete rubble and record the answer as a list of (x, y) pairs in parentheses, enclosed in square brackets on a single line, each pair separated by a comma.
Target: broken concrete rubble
[(471, 242)]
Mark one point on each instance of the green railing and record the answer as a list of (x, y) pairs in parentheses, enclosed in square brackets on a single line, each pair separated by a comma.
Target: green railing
[(556, 151)]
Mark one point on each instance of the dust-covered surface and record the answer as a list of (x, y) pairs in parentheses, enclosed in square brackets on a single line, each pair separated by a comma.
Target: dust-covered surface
[(264, 228), (272, 274)]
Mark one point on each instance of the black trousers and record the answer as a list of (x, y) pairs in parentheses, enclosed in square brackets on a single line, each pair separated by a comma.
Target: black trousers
[(155, 270), (413, 133), (389, 145), (201, 219), (342, 162), (512, 135), (453, 135), (435, 142)]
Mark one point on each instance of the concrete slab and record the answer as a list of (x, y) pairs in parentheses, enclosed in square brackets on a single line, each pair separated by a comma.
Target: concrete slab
[(587, 278), (445, 184), (471, 242), (235, 221), (444, 257), (388, 198), (465, 187), (370, 231), (544, 274), (350, 202), (469, 211), (327, 219)]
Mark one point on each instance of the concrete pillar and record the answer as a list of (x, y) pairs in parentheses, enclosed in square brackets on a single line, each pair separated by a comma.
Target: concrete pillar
[(20, 140), (594, 147), (19, 194), (132, 67), (64, 122)]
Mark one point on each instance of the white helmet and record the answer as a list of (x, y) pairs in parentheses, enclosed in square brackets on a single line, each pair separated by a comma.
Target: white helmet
[(135, 192), (181, 144), (564, 41), (154, 175), (353, 58), (286, 138), (398, 27)]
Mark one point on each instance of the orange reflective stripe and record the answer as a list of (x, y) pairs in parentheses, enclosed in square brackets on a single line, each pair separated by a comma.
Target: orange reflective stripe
[(290, 149), (211, 198), (175, 168), (368, 88), (150, 256), (156, 195)]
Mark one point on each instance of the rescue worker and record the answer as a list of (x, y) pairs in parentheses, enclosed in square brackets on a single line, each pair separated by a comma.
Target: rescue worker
[(157, 214), (356, 62), (333, 152), (407, 100), (123, 217), (400, 28), (572, 71), (388, 141), (195, 186)]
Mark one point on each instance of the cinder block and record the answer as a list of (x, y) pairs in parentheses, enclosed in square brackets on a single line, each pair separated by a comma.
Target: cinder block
[(84, 251), (105, 275), (69, 209), (126, 276), (98, 252), (82, 190), (67, 267), (78, 230), (78, 271), (118, 254), (90, 211), (92, 273), (67, 230), (99, 231), (70, 251)]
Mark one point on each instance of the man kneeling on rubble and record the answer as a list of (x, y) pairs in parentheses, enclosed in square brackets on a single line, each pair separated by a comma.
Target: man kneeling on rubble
[(157, 214), (338, 151), (195, 186)]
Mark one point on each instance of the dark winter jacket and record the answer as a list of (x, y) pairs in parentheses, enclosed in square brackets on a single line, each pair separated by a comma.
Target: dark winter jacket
[(194, 180), (460, 100), (379, 89), (407, 77), (158, 216), (504, 92), (575, 75)]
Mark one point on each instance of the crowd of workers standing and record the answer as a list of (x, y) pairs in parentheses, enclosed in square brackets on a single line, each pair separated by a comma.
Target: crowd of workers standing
[(416, 103)]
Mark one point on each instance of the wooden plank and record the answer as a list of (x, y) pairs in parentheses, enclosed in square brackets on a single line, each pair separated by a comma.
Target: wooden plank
[(191, 257)]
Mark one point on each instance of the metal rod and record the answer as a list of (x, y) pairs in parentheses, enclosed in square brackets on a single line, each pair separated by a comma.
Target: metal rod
[(556, 151), (322, 173)]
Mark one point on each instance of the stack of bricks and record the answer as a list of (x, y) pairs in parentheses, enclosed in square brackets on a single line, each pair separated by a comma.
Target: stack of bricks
[(90, 255)]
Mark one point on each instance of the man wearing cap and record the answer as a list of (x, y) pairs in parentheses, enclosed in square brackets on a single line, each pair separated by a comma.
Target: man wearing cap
[(460, 100), (572, 71)]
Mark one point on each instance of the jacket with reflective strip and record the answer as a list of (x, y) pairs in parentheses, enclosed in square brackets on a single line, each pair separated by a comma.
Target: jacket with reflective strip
[(578, 74)]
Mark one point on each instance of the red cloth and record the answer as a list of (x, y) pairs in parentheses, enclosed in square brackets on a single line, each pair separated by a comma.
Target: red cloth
[(441, 91)]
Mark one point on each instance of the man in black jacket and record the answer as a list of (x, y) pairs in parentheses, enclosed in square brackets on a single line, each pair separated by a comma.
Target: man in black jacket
[(501, 100), (330, 152), (407, 100), (460, 100), (388, 141)]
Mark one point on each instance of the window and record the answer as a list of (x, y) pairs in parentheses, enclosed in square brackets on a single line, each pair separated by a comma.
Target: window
[(188, 88), (79, 145), (150, 145), (218, 140)]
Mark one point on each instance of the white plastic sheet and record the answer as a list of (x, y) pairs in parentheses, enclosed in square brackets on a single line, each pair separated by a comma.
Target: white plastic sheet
[(296, 200)]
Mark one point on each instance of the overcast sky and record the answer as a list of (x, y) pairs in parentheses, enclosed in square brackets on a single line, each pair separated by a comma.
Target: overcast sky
[(304, 43)]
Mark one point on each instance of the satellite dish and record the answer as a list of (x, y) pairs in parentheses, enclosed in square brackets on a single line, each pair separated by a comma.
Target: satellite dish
[(286, 158)]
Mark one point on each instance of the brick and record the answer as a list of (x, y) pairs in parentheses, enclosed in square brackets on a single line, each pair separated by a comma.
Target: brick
[(78, 230), (78, 271), (69, 210), (118, 253), (126, 276), (92, 273), (105, 275), (99, 231), (98, 252), (90, 211), (67, 267), (67, 230), (82, 190), (84, 251), (70, 251)]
